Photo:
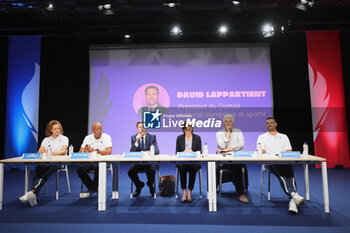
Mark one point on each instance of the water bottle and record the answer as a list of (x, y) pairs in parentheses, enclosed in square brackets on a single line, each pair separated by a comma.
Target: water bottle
[(305, 149), (152, 150), (71, 149), (259, 147), (205, 149), (49, 152)]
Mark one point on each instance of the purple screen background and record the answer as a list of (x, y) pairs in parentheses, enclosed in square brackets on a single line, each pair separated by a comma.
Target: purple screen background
[(116, 74)]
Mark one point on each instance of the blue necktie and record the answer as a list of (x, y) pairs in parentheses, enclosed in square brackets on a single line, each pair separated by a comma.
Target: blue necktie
[(142, 145)]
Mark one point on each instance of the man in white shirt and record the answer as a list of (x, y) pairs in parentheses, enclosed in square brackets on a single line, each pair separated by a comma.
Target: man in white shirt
[(273, 143), (99, 143), (228, 140)]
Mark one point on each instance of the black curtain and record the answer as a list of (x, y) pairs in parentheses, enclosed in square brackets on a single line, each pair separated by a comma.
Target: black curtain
[(3, 87), (64, 87), (291, 91), (345, 51)]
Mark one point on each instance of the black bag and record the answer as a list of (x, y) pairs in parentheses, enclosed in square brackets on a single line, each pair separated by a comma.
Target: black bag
[(167, 185)]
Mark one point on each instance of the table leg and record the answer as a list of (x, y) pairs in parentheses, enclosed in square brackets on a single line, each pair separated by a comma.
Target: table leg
[(1, 184), (26, 177), (102, 186), (115, 181), (210, 178), (208, 181), (307, 185), (213, 175), (325, 187)]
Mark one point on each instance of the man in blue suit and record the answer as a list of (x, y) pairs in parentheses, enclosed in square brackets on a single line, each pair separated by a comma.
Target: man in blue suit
[(142, 141)]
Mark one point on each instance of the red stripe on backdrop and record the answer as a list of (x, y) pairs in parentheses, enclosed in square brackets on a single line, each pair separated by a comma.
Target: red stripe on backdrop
[(327, 97)]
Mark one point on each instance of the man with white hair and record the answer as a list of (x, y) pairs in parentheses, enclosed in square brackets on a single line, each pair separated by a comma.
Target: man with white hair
[(230, 139)]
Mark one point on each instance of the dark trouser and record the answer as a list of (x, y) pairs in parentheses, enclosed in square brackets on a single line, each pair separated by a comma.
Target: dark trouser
[(42, 173), (237, 177), (136, 168), (192, 170), (83, 171), (285, 175)]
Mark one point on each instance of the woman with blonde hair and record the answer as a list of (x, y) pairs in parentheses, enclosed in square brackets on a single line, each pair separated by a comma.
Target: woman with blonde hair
[(57, 143)]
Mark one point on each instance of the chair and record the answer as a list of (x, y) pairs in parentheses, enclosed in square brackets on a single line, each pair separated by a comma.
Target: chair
[(64, 168), (109, 168), (222, 171), (199, 177), (155, 187), (264, 168)]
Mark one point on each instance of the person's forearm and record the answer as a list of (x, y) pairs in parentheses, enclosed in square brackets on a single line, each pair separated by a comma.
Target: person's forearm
[(59, 153), (105, 152)]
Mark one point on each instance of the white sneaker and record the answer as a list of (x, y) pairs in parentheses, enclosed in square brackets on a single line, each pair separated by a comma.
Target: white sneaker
[(292, 207), (23, 198), (299, 200), (86, 194), (31, 198)]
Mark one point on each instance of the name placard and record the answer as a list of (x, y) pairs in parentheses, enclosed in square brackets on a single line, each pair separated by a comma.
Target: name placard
[(290, 154), (31, 156), (187, 155), (84, 155), (242, 154), (133, 155)]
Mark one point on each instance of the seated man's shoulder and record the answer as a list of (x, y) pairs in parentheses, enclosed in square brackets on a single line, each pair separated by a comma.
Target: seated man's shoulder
[(106, 135), (151, 135), (221, 131), (236, 130), (283, 135)]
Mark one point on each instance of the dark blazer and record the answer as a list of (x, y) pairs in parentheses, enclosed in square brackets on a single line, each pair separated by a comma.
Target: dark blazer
[(150, 140), (181, 144)]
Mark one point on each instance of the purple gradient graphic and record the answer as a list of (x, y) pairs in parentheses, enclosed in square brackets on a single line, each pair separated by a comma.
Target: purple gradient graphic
[(185, 77)]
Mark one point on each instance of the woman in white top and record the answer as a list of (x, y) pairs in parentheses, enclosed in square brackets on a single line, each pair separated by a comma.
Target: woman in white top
[(57, 143)]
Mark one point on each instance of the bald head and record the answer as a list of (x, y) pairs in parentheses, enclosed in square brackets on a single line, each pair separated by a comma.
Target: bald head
[(97, 129)]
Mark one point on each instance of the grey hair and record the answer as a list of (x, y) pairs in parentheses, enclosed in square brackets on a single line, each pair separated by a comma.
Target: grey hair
[(228, 116)]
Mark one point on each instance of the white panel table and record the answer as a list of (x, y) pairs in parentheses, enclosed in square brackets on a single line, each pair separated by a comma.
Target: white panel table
[(209, 159)]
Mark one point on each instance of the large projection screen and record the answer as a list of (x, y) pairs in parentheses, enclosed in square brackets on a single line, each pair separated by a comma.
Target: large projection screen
[(201, 83)]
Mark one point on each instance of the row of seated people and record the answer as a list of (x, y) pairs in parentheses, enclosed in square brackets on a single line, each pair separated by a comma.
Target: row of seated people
[(228, 139)]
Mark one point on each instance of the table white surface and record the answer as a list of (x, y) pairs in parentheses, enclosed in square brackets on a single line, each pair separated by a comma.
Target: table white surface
[(210, 159)]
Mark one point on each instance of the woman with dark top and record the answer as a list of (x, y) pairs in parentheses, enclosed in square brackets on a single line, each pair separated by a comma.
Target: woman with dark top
[(188, 142)]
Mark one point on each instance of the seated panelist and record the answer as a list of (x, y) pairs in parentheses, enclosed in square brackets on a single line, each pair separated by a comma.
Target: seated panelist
[(142, 141), (58, 144), (99, 143), (188, 142)]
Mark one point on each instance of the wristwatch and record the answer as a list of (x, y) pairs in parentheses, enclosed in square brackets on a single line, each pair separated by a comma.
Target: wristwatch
[(98, 151)]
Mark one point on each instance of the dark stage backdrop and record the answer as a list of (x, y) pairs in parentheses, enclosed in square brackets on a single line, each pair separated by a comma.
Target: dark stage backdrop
[(345, 50), (64, 87), (291, 91), (3, 86)]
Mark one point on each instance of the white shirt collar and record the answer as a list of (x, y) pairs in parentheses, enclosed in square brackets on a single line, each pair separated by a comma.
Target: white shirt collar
[(58, 137)]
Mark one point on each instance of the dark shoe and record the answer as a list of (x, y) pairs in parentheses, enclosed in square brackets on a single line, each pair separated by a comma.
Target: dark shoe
[(138, 189), (189, 200), (183, 200)]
